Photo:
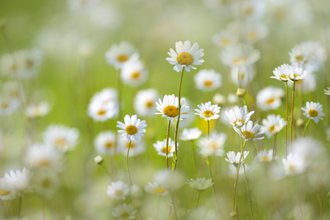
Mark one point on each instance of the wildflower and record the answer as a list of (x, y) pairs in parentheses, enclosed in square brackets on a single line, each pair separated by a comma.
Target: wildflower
[(239, 55), (282, 73), (190, 134), (238, 116), (208, 80), (98, 160), (145, 102), (134, 73), (224, 38), (118, 54), (314, 111), (118, 190), (327, 91), (6, 190), (242, 75), (219, 99), (8, 105), (269, 98), (298, 74), (200, 184), (273, 125), (265, 156), (19, 181), (156, 189), (40, 110), (213, 144), (249, 132), (136, 147), (185, 56), (103, 105), (169, 107), (293, 164), (235, 159), (105, 142), (124, 211), (46, 182), (160, 147), (133, 128), (208, 111)]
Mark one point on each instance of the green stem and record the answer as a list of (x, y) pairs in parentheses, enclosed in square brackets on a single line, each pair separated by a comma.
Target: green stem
[(173, 204), (167, 138), (129, 175), (292, 110), (249, 192), (178, 121), (286, 117), (198, 195), (193, 155), (105, 169), (213, 186), (309, 120), (208, 128), (274, 146), (19, 207)]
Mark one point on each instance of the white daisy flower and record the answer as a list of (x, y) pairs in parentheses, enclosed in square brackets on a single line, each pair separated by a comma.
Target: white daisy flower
[(273, 125), (156, 188), (224, 38), (212, 145), (200, 184), (308, 84), (105, 143), (234, 159), (238, 116), (270, 98), (61, 137), (118, 54), (169, 180), (145, 102), (133, 73), (118, 190), (327, 91), (219, 99), (314, 111), (7, 192), (46, 182), (136, 148), (282, 73), (293, 164), (8, 105), (255, 31), (208, 80), (265, 156), (20, 181), (169, 107), (124, 211), (249, 132), (190, 134), (40, 110), (133, 128), (298, 74), (252, 9), (208, 111), (105, 96), (103, 105), (11, 89), (239, 55), (242, 75), (160, 147), (185, 56), (43, 156)]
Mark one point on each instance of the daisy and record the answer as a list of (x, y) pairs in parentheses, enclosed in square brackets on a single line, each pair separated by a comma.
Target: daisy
[(269, 98), (252, 9), (219, 99), (11, 89), (242, 75), (297, 74), (282, 73), (273, 125), (200, 184), (255, 31), (124, 211), (145, 102), (308, 84), (293, 164), (61, 137), (185, 56), (105, 143), (169, 180), (156, 189), (190, 134), (40, 110), (238, 116), (224, 38), (136, 147), (102, 112), (43, 156), (8, 105), (118, 190), (133, 128), (160, 147), (327, 91), (249, 132), (208, 80), (265, 156), (105, 96), (169, 107), (208, 111), (213, 144), (307, 149), (133, 73), (46, 183), (235, 159), (118, 54), (314, 111), (239, 55), (20, 181), (6, 190)]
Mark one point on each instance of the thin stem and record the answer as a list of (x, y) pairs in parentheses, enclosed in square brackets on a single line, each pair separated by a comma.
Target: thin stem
[(173, 204), (6, 209), (208, 128), (177, 124), (249, 192), (198, 195), (292, 110), (286, 117), (129, 175), (213, 186), (274, 146), (105, 169), (193, 155), (19, 207), (309, 120), (167, 137)]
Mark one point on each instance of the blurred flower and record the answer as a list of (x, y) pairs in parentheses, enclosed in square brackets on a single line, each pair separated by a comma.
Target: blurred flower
[(297, 74), (124, 211), (46, 182), (11, 89), (201, 213), (269, 98), (98, 160), (133, 128), (265, 156), (40, 110), (169, 107), (61, 137), (308, 84), (224, 38), (171, 181), (219, 99), (19, 181), (190, 134), (103, 105), (234, 159), (118, 54), (314, 111), (133, 72), (118, 190), (236, 55), (212, 145), (185, 56), (136, 148), (156, 189), (105, 143), (242, 75), (249, 132), (238, 116), (251, 9), (208, 80), (208, 111), (255, 31), (200, 184), (160, 147), (106, 16), (145, 101), (327, 91), (307, 149), (6, 190), (232, 98), (282, 72), (8, 105), (293, 164), (273, 125)]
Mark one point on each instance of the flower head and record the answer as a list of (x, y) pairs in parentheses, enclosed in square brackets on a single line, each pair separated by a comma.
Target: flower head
[(40, 110), (269, 98), (249, 132), (156, 188), (133, 128), (124, 211), (169, 107), (190, 134), (238, 116), (314, 111), (265, 156), (208, 111), (235, 158), (272, 125), (208, 80), (118, 190), (105, 142), (160, 147), (212, 145), (200, 184), (118, 54), (145, 102), (282, 73)]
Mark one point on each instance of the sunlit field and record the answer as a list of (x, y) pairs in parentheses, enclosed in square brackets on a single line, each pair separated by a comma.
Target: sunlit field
[(164, 110)]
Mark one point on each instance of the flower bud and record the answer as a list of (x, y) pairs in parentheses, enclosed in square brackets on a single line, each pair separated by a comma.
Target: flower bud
[(98, 160)]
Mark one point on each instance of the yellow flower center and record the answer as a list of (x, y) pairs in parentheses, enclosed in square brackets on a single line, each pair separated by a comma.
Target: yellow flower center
[(124, 215), (158, 190), (253, 35), (225, 42), (208, 83), (119, 192), (214, 145), (284, 76), (3, 192), (265, 159), (108, 144), (131, 129), (101, 112), (249, 11), (60, 142), (185, 58), (292, 167), (239, 120), (13, 66), (36, 111), (171, 111), (208, 113), (149, 104), (122, 58), (239, 60), (46, 183), (248, 134), (164, 149), (270, 101), (14, 94), (132, 145), (136, 75), (272, 128), (4, 105), (299, 57), (313, 113), (44, 162), (299, 82), (28, 64)]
